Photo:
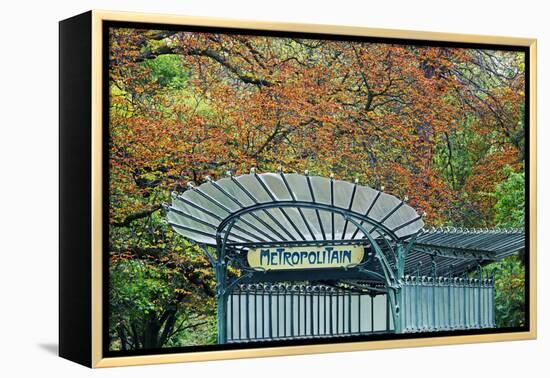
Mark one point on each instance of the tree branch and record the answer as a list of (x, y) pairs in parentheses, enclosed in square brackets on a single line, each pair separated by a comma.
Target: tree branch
[(135, 216), (243, 76)]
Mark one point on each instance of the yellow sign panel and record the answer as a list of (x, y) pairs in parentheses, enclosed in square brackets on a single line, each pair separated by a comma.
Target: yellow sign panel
[(305, 257)]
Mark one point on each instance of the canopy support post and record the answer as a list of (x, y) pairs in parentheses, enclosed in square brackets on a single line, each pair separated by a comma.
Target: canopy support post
[(222, 294), (392, 284), (221, 301)]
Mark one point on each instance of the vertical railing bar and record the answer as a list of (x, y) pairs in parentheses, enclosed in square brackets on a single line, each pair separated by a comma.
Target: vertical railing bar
[(436, 308), (292, 311), (325, 310), (285, 334), (459, 309), (463, 308), (263, 311), (305, 311), (344, 315), (359, 312), (467, 307), (434, 326), (298, 315), (372, 313), (486, 307), (412, 303), (343, 319), (406, 303), (387, 313), (474, 304), (427, 302), (411, 293), (423, 304), (470, 304), (231, 315), (247, 315), (330, 318), (270, 303), (311, 311), (278, 293), (493, 320), (451, 300), (319, 311), (337, 312), (479, 302), (418, 303), (255, 312), (239, 312), (490, 306), (470, 291), (448, 325), (349, 312)]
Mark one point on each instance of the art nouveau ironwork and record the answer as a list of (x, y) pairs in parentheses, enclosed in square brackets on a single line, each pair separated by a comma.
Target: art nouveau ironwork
[(277, 215)]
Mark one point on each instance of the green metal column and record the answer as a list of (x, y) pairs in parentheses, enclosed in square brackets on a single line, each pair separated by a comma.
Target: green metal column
[(221, 282), (395, 298), (221, 299), (392, 284)]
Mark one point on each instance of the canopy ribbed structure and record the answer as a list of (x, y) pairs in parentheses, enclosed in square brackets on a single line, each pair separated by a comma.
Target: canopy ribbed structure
[(455, 250), (493, 243), (281, 207)]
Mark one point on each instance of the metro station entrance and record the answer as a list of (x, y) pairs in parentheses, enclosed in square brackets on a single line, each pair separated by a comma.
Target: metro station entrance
[(300, 256)]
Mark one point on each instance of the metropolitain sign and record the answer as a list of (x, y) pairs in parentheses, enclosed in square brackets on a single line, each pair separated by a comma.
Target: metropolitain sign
[(281, 258)]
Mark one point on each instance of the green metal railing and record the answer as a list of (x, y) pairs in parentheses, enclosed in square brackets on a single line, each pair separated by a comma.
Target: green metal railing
[(261, 312), (276, 312), (441, 303)]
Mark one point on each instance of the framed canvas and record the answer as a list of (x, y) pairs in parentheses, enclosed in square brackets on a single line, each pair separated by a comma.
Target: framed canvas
[(234, 189)]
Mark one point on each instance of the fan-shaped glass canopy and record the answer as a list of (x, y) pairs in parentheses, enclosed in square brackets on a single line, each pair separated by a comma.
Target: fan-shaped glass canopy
[(281, 207)]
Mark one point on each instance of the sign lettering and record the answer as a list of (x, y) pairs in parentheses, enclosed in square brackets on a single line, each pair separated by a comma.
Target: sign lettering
[(281, 258)]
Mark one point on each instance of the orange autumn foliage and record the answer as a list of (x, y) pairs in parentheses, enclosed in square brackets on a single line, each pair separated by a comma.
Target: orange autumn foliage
[(370, 111)]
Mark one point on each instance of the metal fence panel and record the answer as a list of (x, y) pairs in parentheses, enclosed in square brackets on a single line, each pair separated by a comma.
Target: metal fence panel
[(275, 312), (441, 303)]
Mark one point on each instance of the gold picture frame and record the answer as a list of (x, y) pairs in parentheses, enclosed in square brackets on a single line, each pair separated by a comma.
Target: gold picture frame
[(91, 25)]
